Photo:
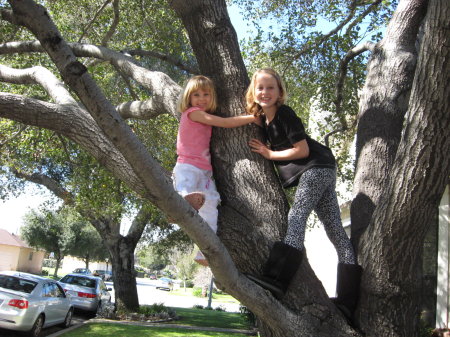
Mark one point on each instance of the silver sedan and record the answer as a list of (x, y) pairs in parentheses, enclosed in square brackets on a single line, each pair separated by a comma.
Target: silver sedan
[(87, 292), (30, 303)]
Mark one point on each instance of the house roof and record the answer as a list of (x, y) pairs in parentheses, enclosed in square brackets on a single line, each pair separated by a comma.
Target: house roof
[(9, 239)]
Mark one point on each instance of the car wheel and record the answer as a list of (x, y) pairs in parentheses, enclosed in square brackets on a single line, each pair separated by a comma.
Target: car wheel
[(37, 327), (68, 319)]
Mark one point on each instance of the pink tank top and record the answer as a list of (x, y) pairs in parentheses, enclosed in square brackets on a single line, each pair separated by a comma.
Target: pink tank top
[(193, 142)]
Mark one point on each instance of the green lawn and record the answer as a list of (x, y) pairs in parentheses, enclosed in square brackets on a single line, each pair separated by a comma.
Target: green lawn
[(210, 318), (218, 297), (118, 330), (189, 317)]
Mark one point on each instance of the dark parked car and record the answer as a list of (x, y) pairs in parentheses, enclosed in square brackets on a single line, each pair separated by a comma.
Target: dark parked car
[(87, 292), (30, 303), (84, 271)]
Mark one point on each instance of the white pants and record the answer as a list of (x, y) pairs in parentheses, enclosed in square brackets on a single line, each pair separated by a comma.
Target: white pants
[(187, 179)]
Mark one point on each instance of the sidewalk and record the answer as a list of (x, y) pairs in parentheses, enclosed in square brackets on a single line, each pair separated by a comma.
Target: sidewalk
[(159, 325)]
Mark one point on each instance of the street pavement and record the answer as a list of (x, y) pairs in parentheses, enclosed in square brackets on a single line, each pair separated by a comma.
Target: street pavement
[(148, 294)]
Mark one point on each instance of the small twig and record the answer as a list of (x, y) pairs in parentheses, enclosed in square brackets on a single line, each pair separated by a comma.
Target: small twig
[(15, 135), (329, 134), (93, 20)]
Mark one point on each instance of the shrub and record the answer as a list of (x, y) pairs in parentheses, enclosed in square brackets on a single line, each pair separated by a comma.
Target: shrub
[(197, 292), (155, 308), (248, 315), (220, 308)]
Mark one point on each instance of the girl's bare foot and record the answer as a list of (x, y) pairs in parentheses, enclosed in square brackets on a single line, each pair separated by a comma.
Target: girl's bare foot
[(200, 259)]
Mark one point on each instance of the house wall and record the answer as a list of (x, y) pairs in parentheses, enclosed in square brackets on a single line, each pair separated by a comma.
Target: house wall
[(70, 263), (9, 257), (443, 269), (33, 265)]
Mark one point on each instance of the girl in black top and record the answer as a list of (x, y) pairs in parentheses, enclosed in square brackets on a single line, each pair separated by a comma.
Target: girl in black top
[(311, 166)]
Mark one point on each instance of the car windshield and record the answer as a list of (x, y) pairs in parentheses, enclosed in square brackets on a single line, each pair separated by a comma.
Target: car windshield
[(17, 284), (78, 281)]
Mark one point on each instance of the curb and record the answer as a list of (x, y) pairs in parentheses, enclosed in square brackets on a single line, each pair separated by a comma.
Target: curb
[(154, 324)]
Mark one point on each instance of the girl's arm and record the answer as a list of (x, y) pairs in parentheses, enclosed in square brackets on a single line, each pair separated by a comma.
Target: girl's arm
[(298, 151), (227, 122)]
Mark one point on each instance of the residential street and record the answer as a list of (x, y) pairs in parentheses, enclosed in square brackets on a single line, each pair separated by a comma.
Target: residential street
[(148, 294)]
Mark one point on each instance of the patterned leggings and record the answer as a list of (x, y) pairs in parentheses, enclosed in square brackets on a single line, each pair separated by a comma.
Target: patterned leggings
[(316, 191)]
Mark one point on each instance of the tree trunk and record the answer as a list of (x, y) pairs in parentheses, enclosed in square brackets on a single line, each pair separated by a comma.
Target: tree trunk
[(124, 278), (253, 211), (391, 249), (57, 265), (383, 104)]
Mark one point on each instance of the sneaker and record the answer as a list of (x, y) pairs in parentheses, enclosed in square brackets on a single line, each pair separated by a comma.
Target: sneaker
[(200, 259), (195, 199)]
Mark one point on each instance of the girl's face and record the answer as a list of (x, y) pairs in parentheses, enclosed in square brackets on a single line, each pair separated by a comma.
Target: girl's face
[(267, 92), (200, 98)]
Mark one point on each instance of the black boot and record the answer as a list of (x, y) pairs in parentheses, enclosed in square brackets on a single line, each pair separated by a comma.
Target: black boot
[(279, 269), (347, 289)]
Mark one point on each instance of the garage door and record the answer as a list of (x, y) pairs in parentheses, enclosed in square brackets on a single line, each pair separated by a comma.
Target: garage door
[(6, 261)]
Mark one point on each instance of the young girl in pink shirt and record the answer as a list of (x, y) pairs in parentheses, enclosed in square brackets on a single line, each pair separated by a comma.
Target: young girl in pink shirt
[(192, 174)]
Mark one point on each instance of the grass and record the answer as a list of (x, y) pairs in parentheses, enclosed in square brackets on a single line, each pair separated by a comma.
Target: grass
[(119, 330), (210, 318), (189, 317), (225, 298)]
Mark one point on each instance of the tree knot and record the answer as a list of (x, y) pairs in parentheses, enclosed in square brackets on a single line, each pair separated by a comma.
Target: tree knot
[(76, 68)]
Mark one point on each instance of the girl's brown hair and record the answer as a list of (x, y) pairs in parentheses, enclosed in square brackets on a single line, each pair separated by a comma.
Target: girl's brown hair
[(193, 84), (254, 108)]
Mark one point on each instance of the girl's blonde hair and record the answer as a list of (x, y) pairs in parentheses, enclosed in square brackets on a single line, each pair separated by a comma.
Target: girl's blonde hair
[(254, 108), (193, 84)]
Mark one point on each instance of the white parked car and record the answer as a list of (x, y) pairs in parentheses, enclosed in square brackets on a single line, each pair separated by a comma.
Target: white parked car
[(87, 292), (30, 303)]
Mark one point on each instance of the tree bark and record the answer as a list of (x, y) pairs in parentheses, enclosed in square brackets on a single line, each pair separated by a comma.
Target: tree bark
[(253, 211), (383, 104), (124, 278), (392, 247)]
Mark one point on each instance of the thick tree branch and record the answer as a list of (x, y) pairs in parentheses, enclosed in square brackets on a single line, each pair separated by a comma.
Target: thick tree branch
[(49, 183), (73, 123), (138, 224), (164, 57), (38, 75), (165, 92)]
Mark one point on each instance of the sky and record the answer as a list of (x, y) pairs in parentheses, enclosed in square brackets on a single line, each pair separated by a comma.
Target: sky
[(13, 210)]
